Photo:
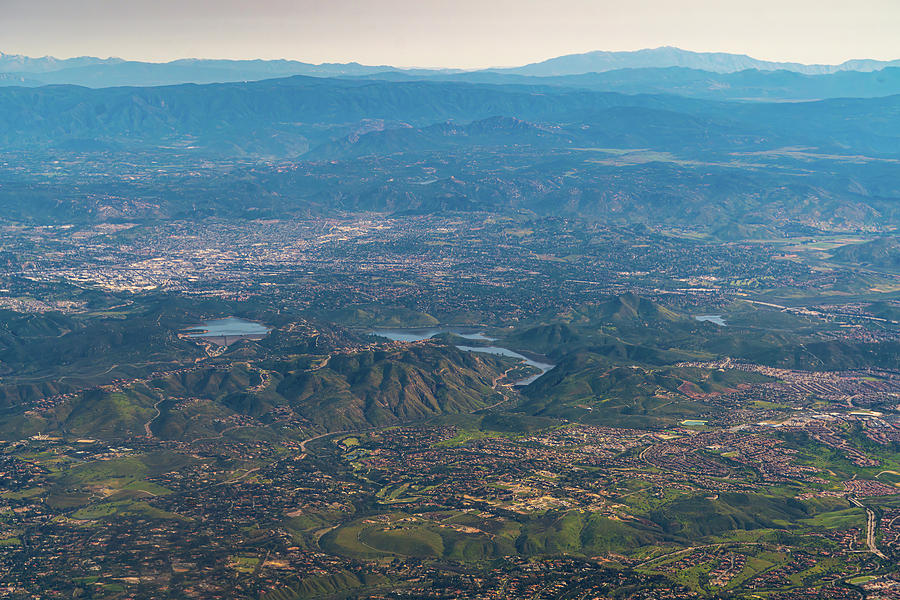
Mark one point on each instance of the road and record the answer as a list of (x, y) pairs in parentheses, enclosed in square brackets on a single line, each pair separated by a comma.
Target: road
[(676, 553), (158, 412), (221, 433), (871, 525), (312, 439), (692, 548), (643, 453), (239, 477), (303, 451), (503, 392)]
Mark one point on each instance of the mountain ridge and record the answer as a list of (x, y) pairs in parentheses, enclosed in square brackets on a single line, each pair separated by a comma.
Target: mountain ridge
[(110, 72), (670, 56)]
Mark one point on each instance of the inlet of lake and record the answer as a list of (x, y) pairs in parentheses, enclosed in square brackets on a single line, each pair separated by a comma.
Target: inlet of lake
[(416, 335), (717, 319), (226, 330)]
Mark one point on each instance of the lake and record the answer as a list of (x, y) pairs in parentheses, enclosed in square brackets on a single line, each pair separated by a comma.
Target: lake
[(416, 335), (544, 367), (717, 319), (228, 330)]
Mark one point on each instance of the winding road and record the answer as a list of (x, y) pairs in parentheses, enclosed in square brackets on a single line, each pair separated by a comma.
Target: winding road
[(318, 437), (156, 416)]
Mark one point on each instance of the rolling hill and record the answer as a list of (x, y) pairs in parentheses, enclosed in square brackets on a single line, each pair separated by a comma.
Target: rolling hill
[(286, 117), (883, 252)]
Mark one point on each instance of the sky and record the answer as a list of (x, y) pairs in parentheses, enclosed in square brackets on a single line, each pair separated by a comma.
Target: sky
[(447, 33)]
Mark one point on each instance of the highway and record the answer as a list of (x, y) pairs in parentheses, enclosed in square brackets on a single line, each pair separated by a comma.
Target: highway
[(871, 525)]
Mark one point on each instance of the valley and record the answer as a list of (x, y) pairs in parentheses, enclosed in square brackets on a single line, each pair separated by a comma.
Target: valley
[(611, 325), (692, 413)]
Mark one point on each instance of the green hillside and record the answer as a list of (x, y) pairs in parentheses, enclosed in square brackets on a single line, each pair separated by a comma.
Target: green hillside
[(385, 387)]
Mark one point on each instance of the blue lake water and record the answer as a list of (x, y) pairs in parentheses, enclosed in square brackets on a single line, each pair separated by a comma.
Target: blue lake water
[(717, 319), (416, 335), (544, 367), (232, 326)]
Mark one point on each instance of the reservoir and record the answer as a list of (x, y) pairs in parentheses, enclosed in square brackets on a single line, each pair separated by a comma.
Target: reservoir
[(227, 331), (544, 367), (415, 335), (717, 319)]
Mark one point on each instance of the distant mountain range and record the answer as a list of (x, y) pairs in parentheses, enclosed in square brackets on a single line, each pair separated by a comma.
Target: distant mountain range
[(112, 72), (658, 70), (17, 63), (667, 56), (754, 85)]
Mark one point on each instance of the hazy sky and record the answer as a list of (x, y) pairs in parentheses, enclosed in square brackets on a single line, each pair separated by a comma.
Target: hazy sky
[(451, 33)]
